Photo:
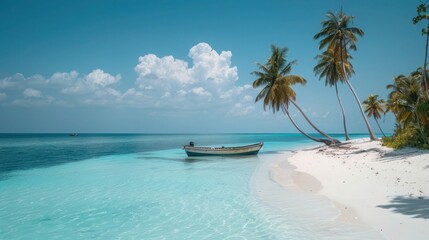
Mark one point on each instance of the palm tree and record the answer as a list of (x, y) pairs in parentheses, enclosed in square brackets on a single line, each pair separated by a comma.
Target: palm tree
[(407, 101), (277, 90), (409, 93), (374, 107), (422, 14), (329, 67), (392, 104), (338, 36), (419, 73)]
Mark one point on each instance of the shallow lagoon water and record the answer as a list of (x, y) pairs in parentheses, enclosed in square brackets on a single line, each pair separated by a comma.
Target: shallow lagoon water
[(136, 187)]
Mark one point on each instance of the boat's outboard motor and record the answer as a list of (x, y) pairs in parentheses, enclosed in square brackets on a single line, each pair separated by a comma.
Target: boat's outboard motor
[(191, 144)]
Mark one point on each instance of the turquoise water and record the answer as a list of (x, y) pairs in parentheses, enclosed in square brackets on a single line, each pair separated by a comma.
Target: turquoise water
[(135, 187)]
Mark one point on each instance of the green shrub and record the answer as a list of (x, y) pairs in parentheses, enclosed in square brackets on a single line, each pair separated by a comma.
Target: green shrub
[(407, 137)]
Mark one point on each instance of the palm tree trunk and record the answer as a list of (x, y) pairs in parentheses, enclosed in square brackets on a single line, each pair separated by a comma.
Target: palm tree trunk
[(325, 141), (379, 127), (315, 128), (416, 115), (342, 111), (371, 133), (424, 66)]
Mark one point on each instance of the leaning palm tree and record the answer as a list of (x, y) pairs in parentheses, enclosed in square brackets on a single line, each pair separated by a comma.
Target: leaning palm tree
[(277, 90), (338, 35), (423, 14), (329, 67), (374, 107)]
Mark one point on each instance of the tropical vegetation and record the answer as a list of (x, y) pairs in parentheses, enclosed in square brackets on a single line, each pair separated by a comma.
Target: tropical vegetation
[(409, 100), (410, 105)]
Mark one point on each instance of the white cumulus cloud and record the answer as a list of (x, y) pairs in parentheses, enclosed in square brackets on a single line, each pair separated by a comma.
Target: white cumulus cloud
[(132, 92), (176, 82), (36, 101), (99, 78), (236, 90), (63, 77), (208, 79), (11, 81), (166, 68), (63, 88), (247, 98), (240, 109), (19, 81), (32, 93), (200, 91), (209, 65), (96, 82)]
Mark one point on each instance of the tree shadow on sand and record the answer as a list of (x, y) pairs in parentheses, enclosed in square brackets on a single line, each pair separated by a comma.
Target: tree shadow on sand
[(400, 154), (383, 156), (415, 207)]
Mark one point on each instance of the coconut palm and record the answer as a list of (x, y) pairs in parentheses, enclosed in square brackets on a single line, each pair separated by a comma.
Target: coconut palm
[(419, 73), (409, 93), (374, 107), (329, 67), (407, 101), (393, 100), (338, 36), (423, 14), (277, 92)]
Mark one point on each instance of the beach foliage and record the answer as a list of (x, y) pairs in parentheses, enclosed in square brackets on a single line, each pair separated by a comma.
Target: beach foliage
[(409, 103), (406, 137), (408, 100)]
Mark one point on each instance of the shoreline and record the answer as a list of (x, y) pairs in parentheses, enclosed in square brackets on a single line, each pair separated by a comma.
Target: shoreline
[(384, 189), (292, 193), (358, 190)]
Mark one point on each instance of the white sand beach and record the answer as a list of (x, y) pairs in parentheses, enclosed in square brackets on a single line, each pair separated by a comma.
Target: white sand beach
[(358, 190), (384, 189)]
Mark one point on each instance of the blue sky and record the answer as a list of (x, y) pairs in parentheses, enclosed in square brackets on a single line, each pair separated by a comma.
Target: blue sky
[(184, 66)]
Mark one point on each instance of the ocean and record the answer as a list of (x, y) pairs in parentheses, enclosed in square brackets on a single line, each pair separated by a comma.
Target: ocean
[(137, 186)]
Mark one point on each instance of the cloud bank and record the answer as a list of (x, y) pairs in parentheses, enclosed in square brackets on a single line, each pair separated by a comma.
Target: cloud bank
[(208, 80)]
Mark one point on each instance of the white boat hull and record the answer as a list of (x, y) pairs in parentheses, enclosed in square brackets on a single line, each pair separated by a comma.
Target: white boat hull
[(223, 151)]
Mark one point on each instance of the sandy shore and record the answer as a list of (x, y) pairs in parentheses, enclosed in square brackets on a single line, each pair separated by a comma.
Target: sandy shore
[(293, 205), (368, 184)]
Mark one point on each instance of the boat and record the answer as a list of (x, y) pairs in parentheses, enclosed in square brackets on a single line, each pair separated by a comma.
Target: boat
[(193, 150), (73, 134)]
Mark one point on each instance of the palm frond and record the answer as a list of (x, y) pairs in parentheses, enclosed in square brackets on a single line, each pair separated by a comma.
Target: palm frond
[(276, 81)]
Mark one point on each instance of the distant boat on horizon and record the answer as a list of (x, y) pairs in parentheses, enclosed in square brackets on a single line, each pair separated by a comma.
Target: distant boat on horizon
[(193, 151), (73, 134)]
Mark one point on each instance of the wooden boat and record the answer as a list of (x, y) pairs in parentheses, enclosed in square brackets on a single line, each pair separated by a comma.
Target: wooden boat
[(252, 149)]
